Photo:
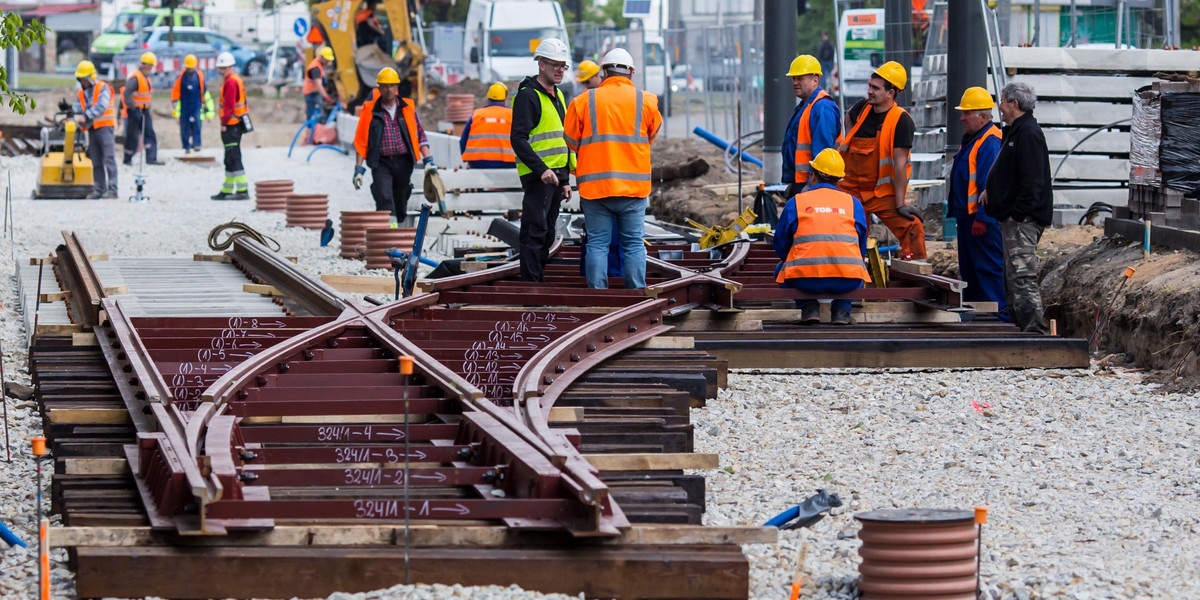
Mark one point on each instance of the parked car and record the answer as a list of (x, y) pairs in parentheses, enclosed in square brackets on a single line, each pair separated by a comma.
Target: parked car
[(682, 80), (250, 61), (126, 26)]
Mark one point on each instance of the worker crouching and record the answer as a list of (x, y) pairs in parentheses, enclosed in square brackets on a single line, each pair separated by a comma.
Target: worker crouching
[(821, 239), (391, 140)]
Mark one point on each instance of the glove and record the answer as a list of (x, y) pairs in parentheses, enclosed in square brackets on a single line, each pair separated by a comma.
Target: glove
[(175, 111), (358, 176), (909, 212), (978, 228), (430, 167)]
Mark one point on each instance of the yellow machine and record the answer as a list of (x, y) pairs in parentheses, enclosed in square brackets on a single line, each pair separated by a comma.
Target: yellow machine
[(66, 172), (355, 68), (715, 236)]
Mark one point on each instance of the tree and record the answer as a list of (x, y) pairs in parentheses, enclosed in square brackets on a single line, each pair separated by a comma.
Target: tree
[(14, 33)]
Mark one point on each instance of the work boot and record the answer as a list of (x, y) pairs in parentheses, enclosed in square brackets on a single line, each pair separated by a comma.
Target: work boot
[(110, 195), (842, 317), (157, 163), (239, 196), (810, 313), (94, 196), (220, 196)]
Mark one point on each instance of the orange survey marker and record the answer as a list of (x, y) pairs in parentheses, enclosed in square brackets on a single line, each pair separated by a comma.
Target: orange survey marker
[(798, 580)]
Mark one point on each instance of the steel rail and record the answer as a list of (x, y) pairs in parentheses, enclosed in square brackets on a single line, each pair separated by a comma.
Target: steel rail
[(85, 290), (310, 293)]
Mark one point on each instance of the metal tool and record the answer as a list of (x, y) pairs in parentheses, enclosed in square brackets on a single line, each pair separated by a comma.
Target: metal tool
[(4, 398), (715, 236), (408, 261), (38, 445), (139, 180), (406, 369)]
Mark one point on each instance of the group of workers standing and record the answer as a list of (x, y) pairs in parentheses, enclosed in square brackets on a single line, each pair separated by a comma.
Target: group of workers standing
[(95, 109), (1000, 193)]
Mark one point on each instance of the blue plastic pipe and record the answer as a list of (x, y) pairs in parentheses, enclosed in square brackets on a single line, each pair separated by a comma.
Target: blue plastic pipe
[(722, 144)]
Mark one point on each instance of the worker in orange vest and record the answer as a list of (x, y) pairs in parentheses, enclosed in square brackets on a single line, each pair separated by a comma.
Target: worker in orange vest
[(96, 111), (192, 104), (316, 83), (876, 148), (391, 141), (821, 239), (815, 125), (485, 142), (367, 29), (611, 129), (139, 126), (235, 122)]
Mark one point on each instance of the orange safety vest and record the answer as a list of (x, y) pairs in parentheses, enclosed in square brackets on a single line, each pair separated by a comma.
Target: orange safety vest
[(124, 109), (239, 108), (972, 169), (491, 127), (179, 78), (362, 131), (142, 94), (886, 138), (309, 86), (826, 240), (610, 128), (804, 153), (108, 118)]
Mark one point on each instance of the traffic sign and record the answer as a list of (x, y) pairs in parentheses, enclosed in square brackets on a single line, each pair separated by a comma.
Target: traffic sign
[(300, 26)]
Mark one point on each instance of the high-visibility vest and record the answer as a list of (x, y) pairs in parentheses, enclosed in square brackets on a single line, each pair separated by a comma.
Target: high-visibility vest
[(491, 129), (826, 241), (124, 109), (108, 118), (804, 153), (616, 124), (547, 138), (972, 168), (178, 82), (362, 133), (886, 138), (309, 86), (142, 93), (239, 108)]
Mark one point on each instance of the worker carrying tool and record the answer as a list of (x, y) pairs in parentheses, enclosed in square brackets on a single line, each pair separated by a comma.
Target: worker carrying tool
[(544, 162), (816, 123), (192, 103), (611, 128), (876, 150), (316, 83), (139, 126), (485, 141), (235, 122), (821, 240), (588, 75), (96, 111), (980, 243), (391, 141)]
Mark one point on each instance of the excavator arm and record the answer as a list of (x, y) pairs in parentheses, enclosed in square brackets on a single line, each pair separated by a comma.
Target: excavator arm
[(355, 68)]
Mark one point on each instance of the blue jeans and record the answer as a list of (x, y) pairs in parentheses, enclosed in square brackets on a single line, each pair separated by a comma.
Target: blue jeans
[(312, 105), (629, 214), (189, 129)]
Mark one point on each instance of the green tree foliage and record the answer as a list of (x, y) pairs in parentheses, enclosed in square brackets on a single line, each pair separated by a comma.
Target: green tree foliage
[(1189, 25), (15, 33), (809, 25)]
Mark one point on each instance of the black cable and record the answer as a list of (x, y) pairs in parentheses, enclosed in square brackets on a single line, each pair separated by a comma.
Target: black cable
[(234, 230)]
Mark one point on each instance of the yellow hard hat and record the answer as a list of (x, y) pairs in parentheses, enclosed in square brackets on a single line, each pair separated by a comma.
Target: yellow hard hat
[(587, 70), (149, 58), (85, 69), (190, 62), (805, 64), (388, 75), (829, 162), (327, 53), (976, 98), (497, 91), (893, 73)]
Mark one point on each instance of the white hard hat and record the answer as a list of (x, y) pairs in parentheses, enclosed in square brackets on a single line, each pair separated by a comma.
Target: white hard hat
[(552, 49), (225, 59), (618, 60)]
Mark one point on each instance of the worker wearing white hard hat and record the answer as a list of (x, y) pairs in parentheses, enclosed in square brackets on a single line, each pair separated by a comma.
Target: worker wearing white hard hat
[(544, 162), (235, 121), (139, 125)]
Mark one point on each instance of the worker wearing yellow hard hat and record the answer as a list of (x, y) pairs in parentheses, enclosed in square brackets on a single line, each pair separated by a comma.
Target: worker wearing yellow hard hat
[(316, 84), (139, 124), (95, 109), (391, 141), (821, 239), (815, 125), (191, 103), (588, 74), (877, 149), (980, 242), (485, 141)]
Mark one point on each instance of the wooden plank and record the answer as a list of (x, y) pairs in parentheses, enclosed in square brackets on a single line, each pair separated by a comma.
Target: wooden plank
[(912, 266), (83, 339), (61, 329), (1013, 352), (96, 466), (666, 342), (116, 290), (57, 296), (869, 312), (652, 462), (261, 289), (360, 284), (80, 416), (221, 258), (565, 414)]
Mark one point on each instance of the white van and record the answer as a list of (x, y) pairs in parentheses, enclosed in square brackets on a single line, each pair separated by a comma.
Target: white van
[(501, 36), (860, 37)]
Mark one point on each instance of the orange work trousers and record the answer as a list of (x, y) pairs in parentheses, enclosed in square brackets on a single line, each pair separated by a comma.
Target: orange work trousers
[(862, 171)]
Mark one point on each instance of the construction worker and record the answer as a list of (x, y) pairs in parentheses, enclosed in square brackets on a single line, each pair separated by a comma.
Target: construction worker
[(485, 142), (367, 29), (611, 128), (96, 111), (980, 243), (234, 115), (544, 162), (191, 102), (391, 140), (316, 83), (876, 150), (821, 239), (139, 125), (588, 75), (816, 123)]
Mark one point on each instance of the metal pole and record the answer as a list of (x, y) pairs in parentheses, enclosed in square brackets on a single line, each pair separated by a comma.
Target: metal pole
[(1074, 26), (1120, 17), (1037, 23), (779, 47), (1175, 8), (4, 399), (13, 68), (739, 155), (897, 40), (837, 57), (406, 369), (968, 47)]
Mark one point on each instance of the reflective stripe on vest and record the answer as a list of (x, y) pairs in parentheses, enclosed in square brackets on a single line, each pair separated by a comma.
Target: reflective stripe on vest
[(108, 118), (826, 240), (311, 87), (972, 160), (176, 91), (143, 92), (614, 158), (491, 130), (239, 109), (804, 153), (886, 139), (546, 138)]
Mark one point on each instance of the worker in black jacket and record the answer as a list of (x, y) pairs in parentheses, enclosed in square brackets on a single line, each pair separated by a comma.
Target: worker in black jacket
[(1020, 196)]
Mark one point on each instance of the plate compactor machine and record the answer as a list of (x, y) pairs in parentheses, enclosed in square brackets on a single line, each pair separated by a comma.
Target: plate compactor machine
[(66, 171)]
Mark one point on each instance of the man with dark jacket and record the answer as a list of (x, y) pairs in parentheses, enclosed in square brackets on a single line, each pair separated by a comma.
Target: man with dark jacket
[(390, 139), (1019, 195)]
